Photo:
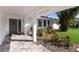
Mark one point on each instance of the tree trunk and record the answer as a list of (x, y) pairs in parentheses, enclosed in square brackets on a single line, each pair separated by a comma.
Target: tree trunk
[(64, 25)]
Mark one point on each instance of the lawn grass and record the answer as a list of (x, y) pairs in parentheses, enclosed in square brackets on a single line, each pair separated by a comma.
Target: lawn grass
[(72, 33)]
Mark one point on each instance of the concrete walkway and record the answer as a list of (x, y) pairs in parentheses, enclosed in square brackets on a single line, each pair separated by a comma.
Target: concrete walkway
[(21, 46), (21, 37)]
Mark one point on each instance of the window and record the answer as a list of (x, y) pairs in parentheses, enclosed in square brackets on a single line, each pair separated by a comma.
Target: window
[(44, 23), (39, 23)]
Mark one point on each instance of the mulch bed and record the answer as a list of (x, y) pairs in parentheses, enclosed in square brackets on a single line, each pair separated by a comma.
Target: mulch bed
[(54, 48)]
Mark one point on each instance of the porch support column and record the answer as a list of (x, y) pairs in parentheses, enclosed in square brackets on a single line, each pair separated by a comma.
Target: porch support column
[(35, 31)]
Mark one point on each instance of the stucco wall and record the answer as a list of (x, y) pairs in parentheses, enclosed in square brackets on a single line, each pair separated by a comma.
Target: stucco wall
[(51, 23), (3, 27), (28, 21), (14, 17), (4, 24)]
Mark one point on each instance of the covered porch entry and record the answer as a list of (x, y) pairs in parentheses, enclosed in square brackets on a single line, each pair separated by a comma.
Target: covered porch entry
[(15, 26), (10, 22)]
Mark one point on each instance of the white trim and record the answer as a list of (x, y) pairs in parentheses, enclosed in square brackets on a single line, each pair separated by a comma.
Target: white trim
[(51, 22), (22, 26), (17, 25), (47, 23), (42, 23), (35, 31)]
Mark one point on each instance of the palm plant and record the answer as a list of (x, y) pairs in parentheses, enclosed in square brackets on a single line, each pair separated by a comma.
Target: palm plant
[(66, 17)]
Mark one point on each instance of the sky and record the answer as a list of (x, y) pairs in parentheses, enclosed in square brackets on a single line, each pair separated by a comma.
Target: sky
[(53, 15), (77, 15)]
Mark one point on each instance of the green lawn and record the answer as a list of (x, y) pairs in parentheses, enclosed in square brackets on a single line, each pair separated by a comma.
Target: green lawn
[(72, 33)]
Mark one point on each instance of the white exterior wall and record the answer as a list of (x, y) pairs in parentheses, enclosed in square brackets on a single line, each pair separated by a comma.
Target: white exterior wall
[(3, 27), (4, 24), (28, 21), (22, 26), (14, 17), (51, 23), (33, 23)]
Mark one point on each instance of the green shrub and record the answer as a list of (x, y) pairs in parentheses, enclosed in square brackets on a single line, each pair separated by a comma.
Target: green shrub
[(49, 31), (66, 42), (45, 37), (64, 27), (39, 32)]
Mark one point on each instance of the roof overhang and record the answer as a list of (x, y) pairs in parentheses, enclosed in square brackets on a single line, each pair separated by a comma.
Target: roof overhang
[(32, 11)]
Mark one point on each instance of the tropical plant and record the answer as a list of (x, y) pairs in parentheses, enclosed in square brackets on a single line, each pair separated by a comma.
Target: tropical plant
[(66, 16), (39, 32)]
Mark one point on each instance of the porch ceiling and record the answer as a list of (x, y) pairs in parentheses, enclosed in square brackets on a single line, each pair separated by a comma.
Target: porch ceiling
[(31, 10)]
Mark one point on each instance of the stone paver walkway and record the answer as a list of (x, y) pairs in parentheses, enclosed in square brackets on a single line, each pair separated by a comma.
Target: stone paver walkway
[(16, 46), (21, 37), (21, 46)]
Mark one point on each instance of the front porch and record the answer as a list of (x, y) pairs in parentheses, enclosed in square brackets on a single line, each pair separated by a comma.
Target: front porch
[(14, 45)]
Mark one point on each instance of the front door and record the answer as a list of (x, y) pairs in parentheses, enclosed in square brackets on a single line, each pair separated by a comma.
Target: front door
[(12, 26)]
